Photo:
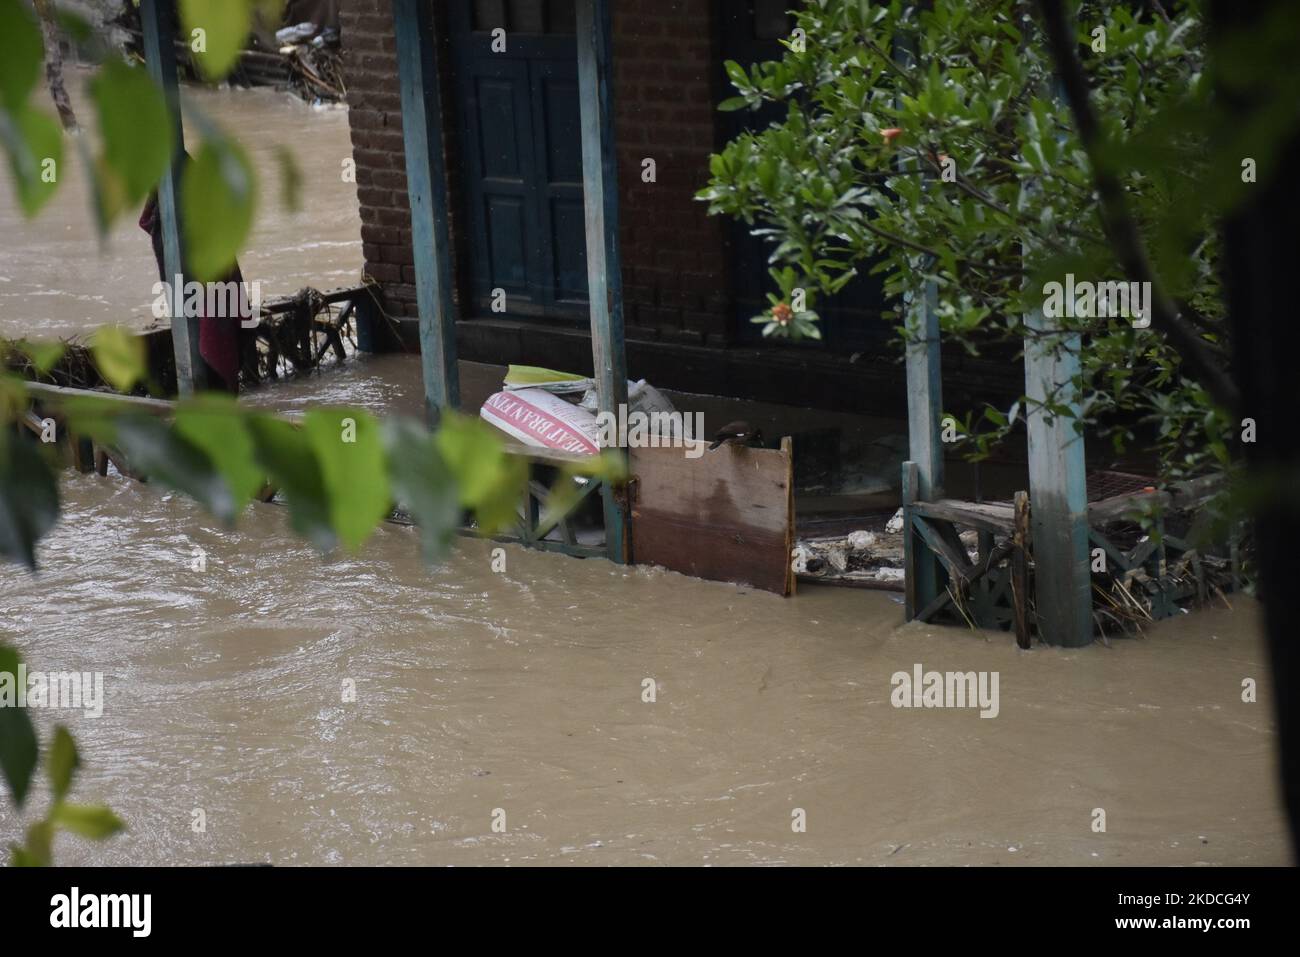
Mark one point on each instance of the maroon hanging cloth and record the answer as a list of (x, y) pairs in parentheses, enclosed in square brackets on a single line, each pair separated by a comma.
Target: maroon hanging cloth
[(218, 335)]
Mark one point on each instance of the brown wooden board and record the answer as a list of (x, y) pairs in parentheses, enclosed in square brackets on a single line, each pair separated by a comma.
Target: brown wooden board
[(726, 516)]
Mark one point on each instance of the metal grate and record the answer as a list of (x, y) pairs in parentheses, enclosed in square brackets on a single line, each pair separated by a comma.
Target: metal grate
[(1103, 485)]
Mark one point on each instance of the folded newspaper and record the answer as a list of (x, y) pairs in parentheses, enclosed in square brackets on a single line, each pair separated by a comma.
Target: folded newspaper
[(548, 380)]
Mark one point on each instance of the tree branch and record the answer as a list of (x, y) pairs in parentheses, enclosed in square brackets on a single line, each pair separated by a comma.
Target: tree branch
[(1121, 229)]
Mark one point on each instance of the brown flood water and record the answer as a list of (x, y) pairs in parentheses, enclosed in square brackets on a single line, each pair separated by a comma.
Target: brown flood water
[(521, 690), (58, 280)]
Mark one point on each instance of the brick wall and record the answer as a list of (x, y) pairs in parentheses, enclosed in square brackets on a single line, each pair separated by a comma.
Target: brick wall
[(375, 118), (675, 270)]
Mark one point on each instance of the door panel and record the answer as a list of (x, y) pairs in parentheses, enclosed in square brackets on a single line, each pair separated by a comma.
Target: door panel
[(522, 156), (507, 247), (502, 217), (569, 240), (497, 122), (559, 180)]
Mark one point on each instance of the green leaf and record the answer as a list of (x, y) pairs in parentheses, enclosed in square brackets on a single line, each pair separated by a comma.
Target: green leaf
[(490, 481), (21, 857), (214, 424), (473, 452), (43, 355), (120, 356), (29, 498), (224, 25), (34, 141), (21, 51), (608, 466), (37, 851), (135, 126), (17, 736), (424, 485), (219, 190), (350, 450), (89, 820), (287, 456), (61, 762), (164, 456)]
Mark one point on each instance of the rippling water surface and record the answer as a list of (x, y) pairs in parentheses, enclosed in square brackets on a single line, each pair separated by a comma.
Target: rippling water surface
[(57, 279)]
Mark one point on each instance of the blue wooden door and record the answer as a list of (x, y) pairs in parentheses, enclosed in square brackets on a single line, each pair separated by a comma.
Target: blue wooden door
[(521, 156)]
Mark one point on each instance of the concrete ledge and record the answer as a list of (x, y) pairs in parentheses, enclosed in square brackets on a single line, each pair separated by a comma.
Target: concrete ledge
[(791, 375)]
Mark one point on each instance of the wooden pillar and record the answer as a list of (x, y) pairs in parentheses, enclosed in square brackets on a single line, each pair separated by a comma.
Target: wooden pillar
[(157, 19), (925, 449), (604, 266), (426, 182), (924, 408), (1057, 488), (925, 392)]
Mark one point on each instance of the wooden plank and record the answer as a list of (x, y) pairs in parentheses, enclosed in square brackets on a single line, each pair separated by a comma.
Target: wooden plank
[(600, 202), (791, 580), (940, 601), (158, 19), (954, 559), (1117, 556), (724, 516), (1057, 487), (136, 403), (544, 524), (83, 454), (1121, 507), (984, 610), (426, 182), (911, 481), (996, 517), (1020, 570)]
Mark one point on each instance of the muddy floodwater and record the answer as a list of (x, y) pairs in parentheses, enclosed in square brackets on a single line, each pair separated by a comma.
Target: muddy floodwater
[(58, 279), (275, 706), (522, 690)]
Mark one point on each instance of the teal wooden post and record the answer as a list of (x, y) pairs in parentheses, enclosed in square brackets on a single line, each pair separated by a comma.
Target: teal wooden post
[(1058, 493), (426, 183), (925, 392), (925, 450), (924, 480), (156, 17), (604, 266)]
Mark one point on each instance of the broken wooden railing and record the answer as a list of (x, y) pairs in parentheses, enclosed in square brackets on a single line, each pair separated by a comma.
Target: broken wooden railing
[(295, 336), (994, 589), (296, 332), (553, 518)]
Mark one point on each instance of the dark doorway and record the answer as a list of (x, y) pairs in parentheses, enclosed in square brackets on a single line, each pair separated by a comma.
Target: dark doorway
[(752, 31), (521, 158)]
